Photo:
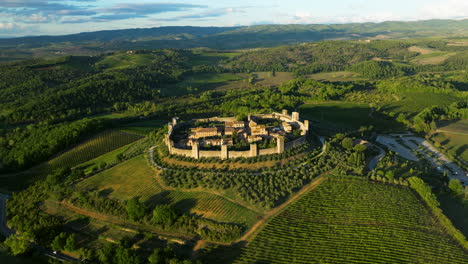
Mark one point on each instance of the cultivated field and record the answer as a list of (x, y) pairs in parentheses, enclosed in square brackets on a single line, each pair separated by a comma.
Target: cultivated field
[(343, 116), (135, 178), (124, 60), (142, 128), (198, 83), (337, 76), (453, 139), (266, 78), (421, 50), (413, 103), (90, 149), (354, 221), (436, 57)]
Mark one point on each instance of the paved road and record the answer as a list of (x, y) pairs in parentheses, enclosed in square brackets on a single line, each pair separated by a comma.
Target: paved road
[(412, 144), (373, 162), (437, 159), (396, 147)]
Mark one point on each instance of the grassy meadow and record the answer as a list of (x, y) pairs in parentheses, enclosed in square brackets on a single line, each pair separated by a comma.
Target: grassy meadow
[(136, 178), (344, 116), (452, 138)]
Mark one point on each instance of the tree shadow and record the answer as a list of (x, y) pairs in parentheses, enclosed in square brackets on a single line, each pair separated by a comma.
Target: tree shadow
[(222, 254), (158, 199), (106, 192), (185, 205), (79, 223), (461, 149)]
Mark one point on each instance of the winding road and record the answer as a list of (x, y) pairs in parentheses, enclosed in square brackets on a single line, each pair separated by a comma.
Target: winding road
[(373, 162)]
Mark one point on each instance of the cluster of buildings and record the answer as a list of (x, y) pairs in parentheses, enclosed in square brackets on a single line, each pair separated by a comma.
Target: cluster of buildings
[(250, 131)]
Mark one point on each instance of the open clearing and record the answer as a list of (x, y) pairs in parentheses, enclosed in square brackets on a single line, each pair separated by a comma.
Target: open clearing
[(136, 178), (354, 221), (413, 103), (344, 116), (453, 139), (142, 128), (421, 50), (436, 57), (124, 60), (337, 76), (267, 78)]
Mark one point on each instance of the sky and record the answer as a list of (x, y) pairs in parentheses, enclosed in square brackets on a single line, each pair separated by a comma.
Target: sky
[(58, 17)]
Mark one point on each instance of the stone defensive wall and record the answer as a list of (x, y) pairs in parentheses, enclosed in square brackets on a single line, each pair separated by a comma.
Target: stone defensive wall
[(254, 151)]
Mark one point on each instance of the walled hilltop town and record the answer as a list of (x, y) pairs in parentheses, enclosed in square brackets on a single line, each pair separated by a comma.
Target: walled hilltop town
[(281, 130)]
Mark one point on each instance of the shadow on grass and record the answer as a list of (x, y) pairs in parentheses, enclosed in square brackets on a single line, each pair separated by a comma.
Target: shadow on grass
[(457, 210), (221, 254)]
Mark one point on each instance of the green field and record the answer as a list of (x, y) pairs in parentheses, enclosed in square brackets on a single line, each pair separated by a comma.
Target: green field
[(344, 116), (90, 149), (211, 58), (413, 103), (337, 76), (453, 138), (436, 57), (197, 83), (135, 178), (142, 128), (267, 78), (124, 60), (354, 221)]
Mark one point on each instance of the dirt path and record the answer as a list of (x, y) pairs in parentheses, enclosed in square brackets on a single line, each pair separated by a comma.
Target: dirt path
[(270, 214), (451, 132), (250, 234)]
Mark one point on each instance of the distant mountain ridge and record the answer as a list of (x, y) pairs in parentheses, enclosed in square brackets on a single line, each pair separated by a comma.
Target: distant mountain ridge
[(223, 37)]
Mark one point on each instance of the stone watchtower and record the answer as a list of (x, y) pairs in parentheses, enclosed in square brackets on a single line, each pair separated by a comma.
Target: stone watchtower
[(295, 116), (224, 152), (253, 150), (196, 150), (280, 144)]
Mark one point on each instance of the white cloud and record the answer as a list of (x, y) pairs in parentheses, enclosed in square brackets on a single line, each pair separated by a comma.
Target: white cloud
[(448, 9), (7, 26), (304, 17)]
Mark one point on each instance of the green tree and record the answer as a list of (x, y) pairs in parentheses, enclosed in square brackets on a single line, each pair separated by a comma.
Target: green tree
[(156, 257), (19, 244), (360, 148), (456, 187), (347, 143), (126, 256), (164, 215), (71, 244), (136, 210), (59, 242)]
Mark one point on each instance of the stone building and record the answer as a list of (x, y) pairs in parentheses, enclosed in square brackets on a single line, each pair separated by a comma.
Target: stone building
[(235, 124), (202, 132)]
